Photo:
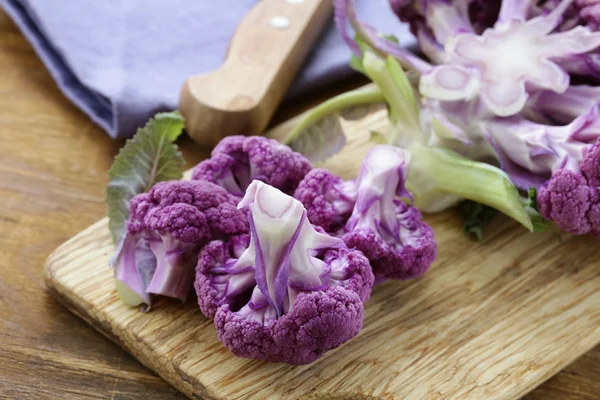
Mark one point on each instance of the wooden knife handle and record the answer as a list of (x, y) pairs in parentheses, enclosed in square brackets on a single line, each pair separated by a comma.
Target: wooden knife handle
[(266, 52)]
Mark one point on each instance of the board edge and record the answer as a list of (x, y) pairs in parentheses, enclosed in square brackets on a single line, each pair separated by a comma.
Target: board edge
[(59, 292)]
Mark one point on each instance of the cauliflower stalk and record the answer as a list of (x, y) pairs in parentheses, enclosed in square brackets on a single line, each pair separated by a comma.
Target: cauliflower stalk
[(286, 292)]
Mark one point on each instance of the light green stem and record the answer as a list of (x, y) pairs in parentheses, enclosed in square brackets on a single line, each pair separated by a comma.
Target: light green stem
[(395, 86), (361, 96), (434, 171)]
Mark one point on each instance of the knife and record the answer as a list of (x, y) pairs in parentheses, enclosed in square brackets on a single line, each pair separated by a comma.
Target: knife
[(265, 53)]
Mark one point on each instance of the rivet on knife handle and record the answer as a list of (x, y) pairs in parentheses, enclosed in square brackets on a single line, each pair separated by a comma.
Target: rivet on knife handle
[(266, 51)]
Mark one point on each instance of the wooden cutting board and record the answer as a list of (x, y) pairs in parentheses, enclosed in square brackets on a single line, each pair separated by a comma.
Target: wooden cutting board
[(488, 321)]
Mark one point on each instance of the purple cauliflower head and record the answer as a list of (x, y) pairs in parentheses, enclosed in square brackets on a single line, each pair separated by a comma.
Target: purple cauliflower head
[(561, 162), (571, 198), (372, 214), (238, 160), (287, 292), (318, 322), (165, 231)]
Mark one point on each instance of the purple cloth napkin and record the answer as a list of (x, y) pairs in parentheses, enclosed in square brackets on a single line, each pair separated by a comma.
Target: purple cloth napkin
[(121, 61)]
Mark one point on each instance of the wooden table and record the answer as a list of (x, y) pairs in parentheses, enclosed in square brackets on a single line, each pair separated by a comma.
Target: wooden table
[(53, 163)]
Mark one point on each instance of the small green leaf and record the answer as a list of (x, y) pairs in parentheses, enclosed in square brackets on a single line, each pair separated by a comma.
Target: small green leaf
[(356, 64), (149, 157), (532, 198), (378, 137), (390, 38), (476, 217), (540, 224)]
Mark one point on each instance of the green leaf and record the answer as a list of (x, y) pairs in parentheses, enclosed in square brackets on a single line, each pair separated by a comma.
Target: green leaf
[(378, 137), (476, 217), (390, 38), (356, 62), (540, 224), (532, 198), (149, 157)]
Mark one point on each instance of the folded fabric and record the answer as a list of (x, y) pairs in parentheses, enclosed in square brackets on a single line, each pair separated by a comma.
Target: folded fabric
[(121, 61)]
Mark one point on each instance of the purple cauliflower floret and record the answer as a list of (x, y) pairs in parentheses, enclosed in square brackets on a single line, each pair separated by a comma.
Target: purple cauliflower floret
[(405, 256), (371, 214), (238, 160), (287, 292), (318, 322), (328, 199), (571, 198), (217, 207), (166, 229)]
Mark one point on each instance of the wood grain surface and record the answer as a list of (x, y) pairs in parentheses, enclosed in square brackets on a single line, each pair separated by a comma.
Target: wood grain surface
[(52, 178), (487, 322)]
